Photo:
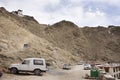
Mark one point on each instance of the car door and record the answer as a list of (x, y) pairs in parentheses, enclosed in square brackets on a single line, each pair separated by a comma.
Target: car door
[(25, 65)]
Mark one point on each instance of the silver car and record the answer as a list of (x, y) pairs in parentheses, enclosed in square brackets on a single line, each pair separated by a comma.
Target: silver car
[(66, 66), (87, 66)]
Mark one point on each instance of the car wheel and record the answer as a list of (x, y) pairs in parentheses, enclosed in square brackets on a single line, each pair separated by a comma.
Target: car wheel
[(37, 72), (13, 71)]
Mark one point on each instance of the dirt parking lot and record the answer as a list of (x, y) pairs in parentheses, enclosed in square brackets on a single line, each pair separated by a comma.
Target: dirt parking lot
[(76, 73)]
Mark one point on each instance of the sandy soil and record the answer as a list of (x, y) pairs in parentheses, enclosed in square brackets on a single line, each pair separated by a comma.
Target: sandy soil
[(76, 73)]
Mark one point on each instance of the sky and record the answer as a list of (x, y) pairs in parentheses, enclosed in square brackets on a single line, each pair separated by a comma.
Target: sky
[(81, 12)]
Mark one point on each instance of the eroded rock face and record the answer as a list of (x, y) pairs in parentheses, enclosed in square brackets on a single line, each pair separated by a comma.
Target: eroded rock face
[(89, 43), (63, 42), (15, 33)]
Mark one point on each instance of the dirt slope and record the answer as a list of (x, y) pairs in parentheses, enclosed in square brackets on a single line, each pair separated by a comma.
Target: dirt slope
[(62, 42), (17, 43), (88, 43)]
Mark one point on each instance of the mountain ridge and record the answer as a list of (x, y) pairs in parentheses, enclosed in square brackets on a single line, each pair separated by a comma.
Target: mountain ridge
[(62, 42)]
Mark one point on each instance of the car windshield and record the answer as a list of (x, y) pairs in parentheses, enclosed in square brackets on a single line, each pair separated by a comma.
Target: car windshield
[(66, 64), (87, 65), (25, 62)]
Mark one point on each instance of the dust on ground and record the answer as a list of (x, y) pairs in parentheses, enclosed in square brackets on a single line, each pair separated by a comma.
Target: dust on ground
[(76, 73)]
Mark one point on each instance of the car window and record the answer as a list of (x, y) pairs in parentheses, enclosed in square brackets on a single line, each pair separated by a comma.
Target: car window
[(87, 65), (38, 62), (26, 62)]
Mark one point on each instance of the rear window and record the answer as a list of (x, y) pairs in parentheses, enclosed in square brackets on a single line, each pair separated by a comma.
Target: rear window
[(38, 62)]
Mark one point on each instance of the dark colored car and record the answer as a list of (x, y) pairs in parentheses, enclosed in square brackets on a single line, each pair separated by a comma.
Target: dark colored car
[(66, 66)]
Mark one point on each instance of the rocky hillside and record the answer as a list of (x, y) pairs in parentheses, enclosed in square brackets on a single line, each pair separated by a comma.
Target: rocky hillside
[(88, 43), (17, 42), (62, 42)]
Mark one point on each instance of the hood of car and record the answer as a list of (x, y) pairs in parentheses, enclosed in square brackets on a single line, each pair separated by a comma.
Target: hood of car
[(15, 64)]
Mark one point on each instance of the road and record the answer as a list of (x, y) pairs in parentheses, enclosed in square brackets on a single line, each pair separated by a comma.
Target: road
[(76, 73)]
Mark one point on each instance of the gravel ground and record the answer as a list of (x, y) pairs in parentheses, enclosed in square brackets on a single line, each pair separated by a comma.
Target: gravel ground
[(76, 73)]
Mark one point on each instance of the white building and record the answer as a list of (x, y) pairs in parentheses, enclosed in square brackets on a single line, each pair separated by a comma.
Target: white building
[(18, 12), (113, 70)]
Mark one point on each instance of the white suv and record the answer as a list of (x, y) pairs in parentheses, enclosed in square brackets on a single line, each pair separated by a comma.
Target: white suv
[(36, 65)]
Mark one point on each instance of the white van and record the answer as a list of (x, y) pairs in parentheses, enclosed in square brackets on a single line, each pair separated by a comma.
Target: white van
[(35, 65)]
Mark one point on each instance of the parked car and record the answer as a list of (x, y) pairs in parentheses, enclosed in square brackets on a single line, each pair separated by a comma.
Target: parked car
[(98, 65), (66, 66), (87, 66), (35, 65), (80, 63)]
